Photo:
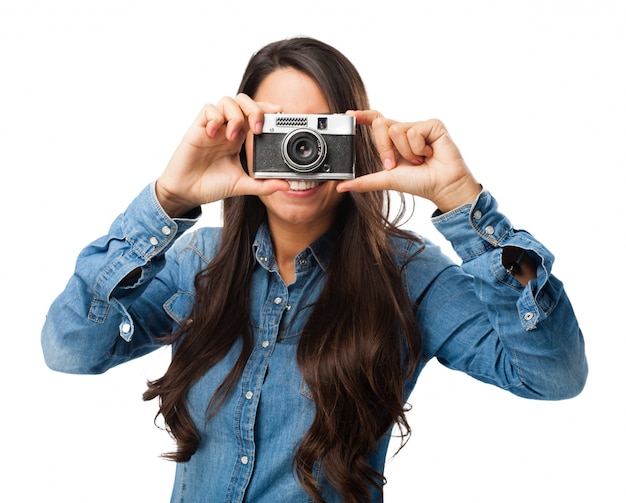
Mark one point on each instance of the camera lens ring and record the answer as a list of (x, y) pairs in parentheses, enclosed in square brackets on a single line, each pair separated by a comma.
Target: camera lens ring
[(303, 149)]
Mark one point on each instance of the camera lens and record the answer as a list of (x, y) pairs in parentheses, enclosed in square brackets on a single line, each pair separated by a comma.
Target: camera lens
[(303, 149)]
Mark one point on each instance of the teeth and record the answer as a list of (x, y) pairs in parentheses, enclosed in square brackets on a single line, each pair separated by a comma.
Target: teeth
[(303, 184)]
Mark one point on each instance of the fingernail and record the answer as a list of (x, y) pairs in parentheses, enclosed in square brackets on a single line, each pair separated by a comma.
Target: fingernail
[(388, 163), (258, 127)]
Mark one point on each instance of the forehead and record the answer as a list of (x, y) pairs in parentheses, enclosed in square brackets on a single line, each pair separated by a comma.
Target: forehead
[(294, 90)]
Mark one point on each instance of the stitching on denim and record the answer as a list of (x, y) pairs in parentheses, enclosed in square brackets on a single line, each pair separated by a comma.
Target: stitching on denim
[(91, 316)]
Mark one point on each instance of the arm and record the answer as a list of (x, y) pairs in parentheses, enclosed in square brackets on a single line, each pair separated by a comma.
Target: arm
[(112, 308), (521, 337), (504, 318), (95, 323)]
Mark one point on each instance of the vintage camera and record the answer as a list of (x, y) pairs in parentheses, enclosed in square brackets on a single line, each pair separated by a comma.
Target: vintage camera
[(305, 147)]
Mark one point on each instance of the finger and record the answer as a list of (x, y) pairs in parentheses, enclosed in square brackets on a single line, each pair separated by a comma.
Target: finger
[(254, 111), (211, 119), (255, 187), (380, 129), (270, 108), (421, 136), (233, 117), (408, 142), (381, 180), (384, 143), (365, 117), (431, 131)]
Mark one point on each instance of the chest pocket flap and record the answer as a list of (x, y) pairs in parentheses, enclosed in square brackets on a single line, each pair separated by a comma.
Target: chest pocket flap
[(179, 306)]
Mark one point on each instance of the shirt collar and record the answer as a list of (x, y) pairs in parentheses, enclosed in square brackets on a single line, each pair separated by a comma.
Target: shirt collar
[(320, 250)]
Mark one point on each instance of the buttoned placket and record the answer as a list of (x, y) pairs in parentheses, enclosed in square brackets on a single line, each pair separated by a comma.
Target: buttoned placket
[(275, 312), (257, 366)]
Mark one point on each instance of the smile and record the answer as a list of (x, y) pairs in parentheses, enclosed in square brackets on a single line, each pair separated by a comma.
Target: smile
[(301, 185)]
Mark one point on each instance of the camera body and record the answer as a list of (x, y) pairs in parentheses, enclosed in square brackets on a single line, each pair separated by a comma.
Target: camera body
[(305, 147)]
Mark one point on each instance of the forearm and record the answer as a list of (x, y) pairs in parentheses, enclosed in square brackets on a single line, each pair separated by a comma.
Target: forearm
[(527, 307), (91, 326)]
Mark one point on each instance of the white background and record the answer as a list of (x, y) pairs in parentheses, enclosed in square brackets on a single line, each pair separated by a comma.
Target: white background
[(94, 97)]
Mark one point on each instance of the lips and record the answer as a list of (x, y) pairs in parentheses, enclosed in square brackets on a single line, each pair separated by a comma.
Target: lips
[(301, 185)]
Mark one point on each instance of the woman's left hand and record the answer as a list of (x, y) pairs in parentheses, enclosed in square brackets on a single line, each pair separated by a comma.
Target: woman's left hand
[(419, 158)]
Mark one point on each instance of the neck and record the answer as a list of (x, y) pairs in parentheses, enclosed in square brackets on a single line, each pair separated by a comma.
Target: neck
[(289, 240)]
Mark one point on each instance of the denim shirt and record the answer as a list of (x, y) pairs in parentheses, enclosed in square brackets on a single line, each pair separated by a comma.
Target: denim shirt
[(476, 318)]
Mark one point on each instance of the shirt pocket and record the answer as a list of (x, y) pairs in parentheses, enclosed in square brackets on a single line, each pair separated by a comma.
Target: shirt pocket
[(292, 338), (179, 306), (305, 391)]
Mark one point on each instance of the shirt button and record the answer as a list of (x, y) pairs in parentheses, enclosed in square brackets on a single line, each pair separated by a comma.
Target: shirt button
[(249, 395), (154, 241), (166, 230), (478, 215), (303, 261), (126, 328), (263, 258), (489, 230), (278, 300), (265, 344), (529, 316), (244, 460)]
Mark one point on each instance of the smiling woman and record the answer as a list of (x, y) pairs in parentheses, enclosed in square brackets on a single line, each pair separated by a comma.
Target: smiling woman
[(300, 327), (297, 216)]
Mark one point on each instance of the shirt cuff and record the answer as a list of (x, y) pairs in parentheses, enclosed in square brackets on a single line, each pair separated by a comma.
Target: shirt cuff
[(474, 228), (149, 229), (137, 239), (477, 228)]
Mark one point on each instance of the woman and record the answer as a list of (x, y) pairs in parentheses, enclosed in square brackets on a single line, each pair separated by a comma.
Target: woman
[(299, 328)]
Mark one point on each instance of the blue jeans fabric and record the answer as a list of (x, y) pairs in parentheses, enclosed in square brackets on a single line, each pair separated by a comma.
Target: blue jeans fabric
[(474, 317)]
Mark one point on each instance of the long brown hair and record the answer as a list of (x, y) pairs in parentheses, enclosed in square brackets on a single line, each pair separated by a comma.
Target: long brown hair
[(355, 360)]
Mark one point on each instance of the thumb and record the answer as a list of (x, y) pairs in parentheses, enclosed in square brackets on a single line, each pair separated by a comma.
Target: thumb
[(248, 186), (381, 180)]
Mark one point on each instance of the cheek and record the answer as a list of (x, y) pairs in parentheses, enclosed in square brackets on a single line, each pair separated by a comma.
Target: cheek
[(331, 187)]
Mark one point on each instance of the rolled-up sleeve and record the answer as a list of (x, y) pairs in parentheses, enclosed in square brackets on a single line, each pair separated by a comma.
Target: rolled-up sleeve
[(88, 328), (524, 338)]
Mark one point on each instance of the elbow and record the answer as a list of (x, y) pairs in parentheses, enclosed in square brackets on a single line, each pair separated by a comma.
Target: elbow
[(566, 389), (576, 381), (53, 353), (563, 373), (62, 355), (570, 377), (61, 359), (69, 363), (64, 362), (559, 384)]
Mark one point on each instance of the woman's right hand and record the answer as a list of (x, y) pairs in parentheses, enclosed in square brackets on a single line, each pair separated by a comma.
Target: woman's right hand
[(206, 167)]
